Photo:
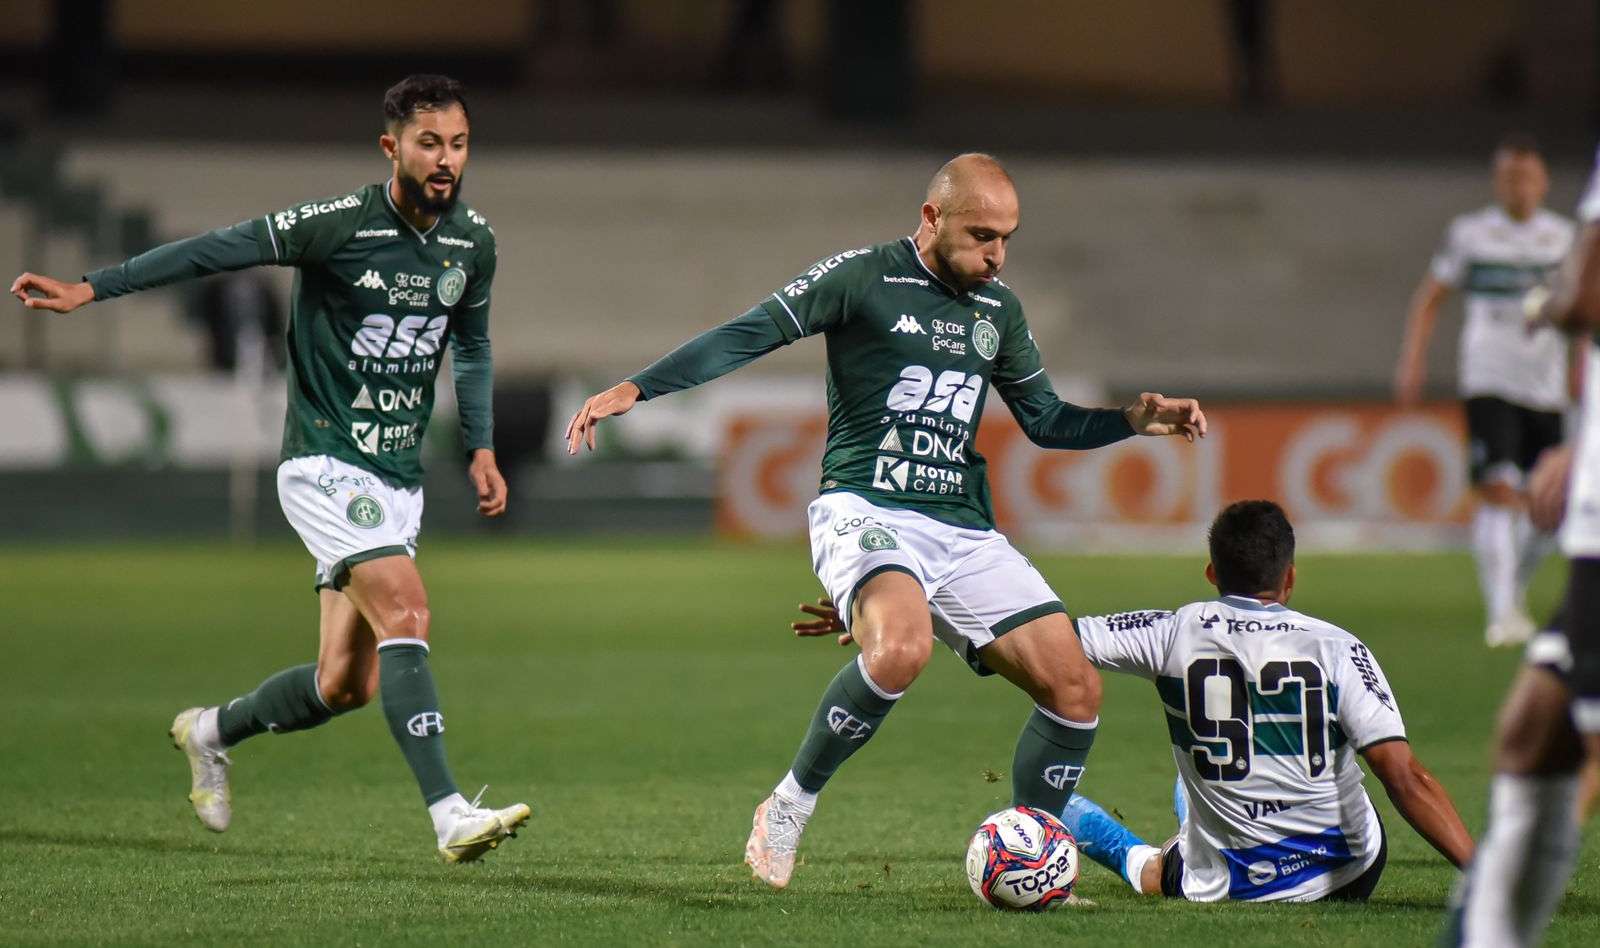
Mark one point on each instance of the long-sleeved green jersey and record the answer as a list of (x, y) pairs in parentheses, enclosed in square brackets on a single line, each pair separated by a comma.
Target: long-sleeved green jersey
[(375, 303), (910, 362)]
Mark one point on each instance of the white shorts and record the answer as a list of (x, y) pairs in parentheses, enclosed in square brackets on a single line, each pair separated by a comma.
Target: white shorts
[(345, 515), (977, 585)]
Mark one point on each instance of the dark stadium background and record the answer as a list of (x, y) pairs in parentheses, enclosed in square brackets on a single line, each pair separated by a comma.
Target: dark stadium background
[(1230, 199)]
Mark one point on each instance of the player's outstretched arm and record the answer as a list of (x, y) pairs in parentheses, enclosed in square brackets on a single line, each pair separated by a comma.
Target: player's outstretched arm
[(712, 354), (1420, 319), (227, 248), (1420, 798)]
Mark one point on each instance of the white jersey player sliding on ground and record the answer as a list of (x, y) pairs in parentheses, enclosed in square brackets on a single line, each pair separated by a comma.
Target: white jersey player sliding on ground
[(1267, 709)]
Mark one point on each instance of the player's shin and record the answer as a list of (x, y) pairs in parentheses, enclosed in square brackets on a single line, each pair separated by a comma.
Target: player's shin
[(1494, 548), (1521, 866), (288, 701), (852, 708), (1049, 760), (411, 706)]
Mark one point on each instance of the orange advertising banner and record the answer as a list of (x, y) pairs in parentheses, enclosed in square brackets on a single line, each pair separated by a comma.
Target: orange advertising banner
[(1373, 467)]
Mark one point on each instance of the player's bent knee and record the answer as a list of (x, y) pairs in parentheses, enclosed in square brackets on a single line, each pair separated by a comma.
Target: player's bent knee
[(342, 690), (403, 621), (895, 661)]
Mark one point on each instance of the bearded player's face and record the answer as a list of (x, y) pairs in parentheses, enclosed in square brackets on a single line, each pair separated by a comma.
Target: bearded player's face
[(430, 154), (970, 241)]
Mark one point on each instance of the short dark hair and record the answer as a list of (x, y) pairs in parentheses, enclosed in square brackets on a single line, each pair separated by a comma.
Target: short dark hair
[(1252, 546), (421, 93), (1517, 143)]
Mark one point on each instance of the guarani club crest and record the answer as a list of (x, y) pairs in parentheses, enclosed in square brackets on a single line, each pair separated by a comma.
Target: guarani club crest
[(452, 283), (985, 338), (364, 511), (877, 538)]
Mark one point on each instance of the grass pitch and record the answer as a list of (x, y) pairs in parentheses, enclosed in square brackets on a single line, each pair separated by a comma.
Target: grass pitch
[(643, 698)]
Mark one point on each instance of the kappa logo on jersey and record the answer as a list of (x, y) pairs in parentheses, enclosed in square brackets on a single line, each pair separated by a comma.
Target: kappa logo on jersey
[(985, 339), (1059, 775), (425, 723), (847, 725), (908, 324), (371, 280)]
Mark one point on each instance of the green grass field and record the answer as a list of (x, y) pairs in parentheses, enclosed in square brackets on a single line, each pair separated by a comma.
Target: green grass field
[(643, 698)]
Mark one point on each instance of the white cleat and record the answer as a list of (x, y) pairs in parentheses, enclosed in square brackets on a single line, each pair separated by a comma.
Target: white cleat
[(208, 773), (1514, 628), (475, 830), (774, 840)]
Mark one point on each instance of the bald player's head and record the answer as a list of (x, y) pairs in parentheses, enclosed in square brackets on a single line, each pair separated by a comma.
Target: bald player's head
[(970, 212)]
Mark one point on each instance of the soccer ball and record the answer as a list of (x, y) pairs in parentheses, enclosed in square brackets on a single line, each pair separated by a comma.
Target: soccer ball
[(1022, 858)]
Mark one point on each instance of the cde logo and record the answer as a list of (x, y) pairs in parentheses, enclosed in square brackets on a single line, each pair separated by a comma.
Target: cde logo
[(1059, 775), (847, 725), (426, 723), (364, 511)]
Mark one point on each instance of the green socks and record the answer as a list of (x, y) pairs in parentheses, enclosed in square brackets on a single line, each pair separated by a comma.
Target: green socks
[(852, 708), (288, 701), (1049, 760), (412, 708)]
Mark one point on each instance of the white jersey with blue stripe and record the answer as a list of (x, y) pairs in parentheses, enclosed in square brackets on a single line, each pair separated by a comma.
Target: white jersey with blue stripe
[(1266, 709)]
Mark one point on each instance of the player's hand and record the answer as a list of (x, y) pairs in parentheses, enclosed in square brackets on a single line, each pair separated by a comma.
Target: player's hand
[(1547, 487), (615, 400), (1156, 414), (826, 623), (486, 480), (52, 295)]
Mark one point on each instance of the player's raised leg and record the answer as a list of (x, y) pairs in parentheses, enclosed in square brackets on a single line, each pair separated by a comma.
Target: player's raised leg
[(389, 593), (343, 678), (892, 625), (1044, 658)]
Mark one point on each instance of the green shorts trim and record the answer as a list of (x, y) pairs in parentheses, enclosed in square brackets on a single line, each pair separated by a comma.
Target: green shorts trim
[(849, 603), (339, 575), (1026, 616)]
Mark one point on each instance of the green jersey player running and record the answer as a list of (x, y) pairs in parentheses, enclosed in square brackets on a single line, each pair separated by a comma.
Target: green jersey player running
[(387, 277), (903, 532)]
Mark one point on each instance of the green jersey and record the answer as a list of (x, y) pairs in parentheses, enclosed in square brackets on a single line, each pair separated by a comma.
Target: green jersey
[(375, 303), (910, 364)]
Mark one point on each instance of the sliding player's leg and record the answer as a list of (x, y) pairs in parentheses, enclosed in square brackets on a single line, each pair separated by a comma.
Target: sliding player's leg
[(343, 678), (890, 622), (1106, 841), (390, 595)]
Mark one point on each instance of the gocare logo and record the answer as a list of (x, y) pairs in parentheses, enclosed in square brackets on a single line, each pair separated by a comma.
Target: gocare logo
[(412, 289)]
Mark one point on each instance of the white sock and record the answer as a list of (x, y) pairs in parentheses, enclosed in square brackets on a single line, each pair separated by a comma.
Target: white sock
[(1528, 850), (443, 818), (206, 732), (791, 791), (1533, 545), (1494, 546), (1138, 858)]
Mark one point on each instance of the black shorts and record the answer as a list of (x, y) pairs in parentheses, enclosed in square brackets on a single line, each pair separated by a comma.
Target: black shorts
[(1500, 433), (1358, 889), (1569, 644)]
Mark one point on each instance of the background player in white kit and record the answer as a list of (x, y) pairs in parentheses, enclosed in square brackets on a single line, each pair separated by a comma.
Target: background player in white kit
[(1267, 709), (1550, 722), (1514, 382)]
